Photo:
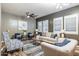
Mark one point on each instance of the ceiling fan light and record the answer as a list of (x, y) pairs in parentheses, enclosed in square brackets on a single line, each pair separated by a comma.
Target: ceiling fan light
[(61, 7), (28, 16), (65, 4), (57, 6)]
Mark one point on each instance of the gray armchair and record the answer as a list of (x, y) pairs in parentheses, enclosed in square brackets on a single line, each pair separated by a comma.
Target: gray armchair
[(11, 44)]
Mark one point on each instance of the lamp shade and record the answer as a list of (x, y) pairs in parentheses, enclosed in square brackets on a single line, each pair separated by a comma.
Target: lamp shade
[(62, 31)]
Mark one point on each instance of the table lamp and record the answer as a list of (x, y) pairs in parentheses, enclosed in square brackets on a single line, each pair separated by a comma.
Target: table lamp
[(36, 31), (62, 33)]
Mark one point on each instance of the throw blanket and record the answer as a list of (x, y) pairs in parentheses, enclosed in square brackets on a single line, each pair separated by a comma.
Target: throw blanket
[(63, 43)]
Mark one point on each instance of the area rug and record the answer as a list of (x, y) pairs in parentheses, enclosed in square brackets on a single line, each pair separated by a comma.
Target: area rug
[(33, 50), (28, 46)]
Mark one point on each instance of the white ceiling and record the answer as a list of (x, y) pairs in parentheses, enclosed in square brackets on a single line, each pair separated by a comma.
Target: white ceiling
[(40, 9)]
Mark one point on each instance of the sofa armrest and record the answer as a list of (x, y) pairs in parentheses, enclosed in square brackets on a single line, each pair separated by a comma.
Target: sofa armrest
[(71, 46)]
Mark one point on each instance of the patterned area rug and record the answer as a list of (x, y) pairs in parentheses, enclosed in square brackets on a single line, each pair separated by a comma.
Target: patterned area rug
[(28, 46), (33, 50)]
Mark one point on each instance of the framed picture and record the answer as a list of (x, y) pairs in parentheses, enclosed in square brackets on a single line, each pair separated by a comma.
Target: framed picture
[(22, 25)]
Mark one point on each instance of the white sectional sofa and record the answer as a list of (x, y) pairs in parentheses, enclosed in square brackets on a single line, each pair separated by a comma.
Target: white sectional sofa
[(53, 50)]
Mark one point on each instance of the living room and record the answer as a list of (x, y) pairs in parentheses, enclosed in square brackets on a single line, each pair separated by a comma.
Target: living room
[(34, 29)]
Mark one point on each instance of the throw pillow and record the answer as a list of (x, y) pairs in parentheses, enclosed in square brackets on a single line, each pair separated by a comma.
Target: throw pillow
[(53, 35)]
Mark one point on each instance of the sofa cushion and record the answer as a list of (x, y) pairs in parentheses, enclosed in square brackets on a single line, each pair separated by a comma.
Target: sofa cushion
[(46, 34), (47, 39)]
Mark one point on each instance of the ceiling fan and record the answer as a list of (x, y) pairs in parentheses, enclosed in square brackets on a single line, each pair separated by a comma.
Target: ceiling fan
[(30, 15)]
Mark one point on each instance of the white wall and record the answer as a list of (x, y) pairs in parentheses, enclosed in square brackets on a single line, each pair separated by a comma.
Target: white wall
[(10, 22)]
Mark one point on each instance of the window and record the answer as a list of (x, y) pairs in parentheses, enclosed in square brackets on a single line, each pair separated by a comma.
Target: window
[(71, 24), (45, 26), (57, 24), (40, 26)]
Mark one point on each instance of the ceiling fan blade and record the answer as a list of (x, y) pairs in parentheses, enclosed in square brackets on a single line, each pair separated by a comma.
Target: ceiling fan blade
[(27, 13), (36, 15), (30, 15), (33, 15)]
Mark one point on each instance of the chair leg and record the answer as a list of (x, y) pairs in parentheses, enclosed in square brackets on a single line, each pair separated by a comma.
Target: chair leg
[(22, 49)]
